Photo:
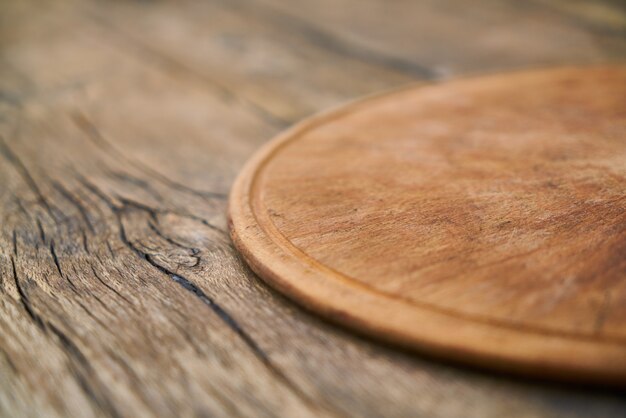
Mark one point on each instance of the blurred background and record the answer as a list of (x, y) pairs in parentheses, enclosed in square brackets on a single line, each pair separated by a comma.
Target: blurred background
[(279, 60)]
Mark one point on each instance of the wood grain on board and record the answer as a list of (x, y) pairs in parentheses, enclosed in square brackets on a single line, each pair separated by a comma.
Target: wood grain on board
[(122, 127), (482, 220)]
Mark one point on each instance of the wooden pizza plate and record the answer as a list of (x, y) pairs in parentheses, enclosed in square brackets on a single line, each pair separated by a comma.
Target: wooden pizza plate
[(480, 220)]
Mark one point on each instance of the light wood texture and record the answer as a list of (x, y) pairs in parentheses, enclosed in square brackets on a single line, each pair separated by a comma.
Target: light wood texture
[(482, 220), (123, 125)]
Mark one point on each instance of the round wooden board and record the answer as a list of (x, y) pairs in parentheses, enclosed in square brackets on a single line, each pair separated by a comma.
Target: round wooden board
[(481, 220)]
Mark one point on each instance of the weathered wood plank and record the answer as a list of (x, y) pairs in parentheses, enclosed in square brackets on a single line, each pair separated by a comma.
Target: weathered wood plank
[(122, 127)]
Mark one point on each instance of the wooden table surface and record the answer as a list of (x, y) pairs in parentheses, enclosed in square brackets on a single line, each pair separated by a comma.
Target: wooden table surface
[(122, 127)]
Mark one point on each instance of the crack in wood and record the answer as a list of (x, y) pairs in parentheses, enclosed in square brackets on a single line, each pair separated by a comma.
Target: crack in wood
[(42, 233), (21, 169), (57, 264), (56, 259), (76, 203), (84, 241), (25, 301), (14, 241), (111, 288), (185, 283), (232, 324), (226, 318)]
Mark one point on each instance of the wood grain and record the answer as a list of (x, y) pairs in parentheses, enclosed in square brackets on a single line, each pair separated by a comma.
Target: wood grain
[(482, 220), (122, 127)]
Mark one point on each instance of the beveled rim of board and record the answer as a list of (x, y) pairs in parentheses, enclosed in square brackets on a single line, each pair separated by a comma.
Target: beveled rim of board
[(486, 343)]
